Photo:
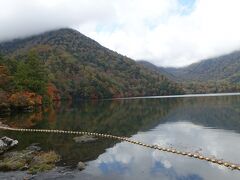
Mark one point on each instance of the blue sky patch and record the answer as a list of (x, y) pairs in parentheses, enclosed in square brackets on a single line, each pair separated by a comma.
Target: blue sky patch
[(113, 167), (187, 6)]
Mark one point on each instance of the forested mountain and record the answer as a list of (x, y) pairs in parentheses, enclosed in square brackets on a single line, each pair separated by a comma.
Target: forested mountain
[(220, 74), (158, 69), (224, 68), (77, 66)]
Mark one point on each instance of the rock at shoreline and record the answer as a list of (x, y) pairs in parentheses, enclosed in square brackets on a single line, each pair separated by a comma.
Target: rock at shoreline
[(34, 147), (17, 160), (7, 143), (44, 161), (31, 159), (84, 139), (81, 166)]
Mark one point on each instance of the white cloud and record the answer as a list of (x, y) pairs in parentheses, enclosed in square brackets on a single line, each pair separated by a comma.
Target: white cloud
[(23, 18), (184, 136), (211, 29), (166, 32)]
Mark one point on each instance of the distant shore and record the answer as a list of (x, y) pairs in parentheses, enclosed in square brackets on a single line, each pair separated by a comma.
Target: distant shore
[(182, 96)]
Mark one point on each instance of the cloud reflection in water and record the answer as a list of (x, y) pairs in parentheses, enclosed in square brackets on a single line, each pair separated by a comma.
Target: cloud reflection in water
[(125, 161)]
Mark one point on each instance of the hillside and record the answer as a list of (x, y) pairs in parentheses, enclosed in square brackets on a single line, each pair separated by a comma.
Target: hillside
[(224, 68), (215, 75), (79, 67), (157, 69)]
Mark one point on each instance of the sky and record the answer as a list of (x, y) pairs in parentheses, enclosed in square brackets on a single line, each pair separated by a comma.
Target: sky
[(164, 32)]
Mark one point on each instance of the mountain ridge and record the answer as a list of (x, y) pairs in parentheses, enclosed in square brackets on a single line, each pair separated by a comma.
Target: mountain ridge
[(224, 68), (81, 67), (221, 68)]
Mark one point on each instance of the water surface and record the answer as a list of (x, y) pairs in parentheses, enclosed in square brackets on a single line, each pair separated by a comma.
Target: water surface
[(209, 125)]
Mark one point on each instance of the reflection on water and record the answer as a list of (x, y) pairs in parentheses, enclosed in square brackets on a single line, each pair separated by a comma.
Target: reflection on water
[(210, 125), (125, 161)]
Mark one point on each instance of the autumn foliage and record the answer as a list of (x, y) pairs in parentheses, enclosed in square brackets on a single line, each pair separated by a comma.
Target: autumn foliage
[(53, 92), (25, 99)]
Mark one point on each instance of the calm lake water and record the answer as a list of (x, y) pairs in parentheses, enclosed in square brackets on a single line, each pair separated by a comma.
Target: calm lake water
[(209, 125)]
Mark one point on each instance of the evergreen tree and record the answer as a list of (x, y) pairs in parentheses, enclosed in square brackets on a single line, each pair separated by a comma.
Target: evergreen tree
[(1, 60), (5, 78), (31, 75)]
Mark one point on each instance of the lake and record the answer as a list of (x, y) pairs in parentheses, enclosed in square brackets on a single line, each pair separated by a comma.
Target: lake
[(208, 125)]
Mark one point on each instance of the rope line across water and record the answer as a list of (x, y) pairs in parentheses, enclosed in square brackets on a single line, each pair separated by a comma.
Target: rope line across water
[(170, 150)]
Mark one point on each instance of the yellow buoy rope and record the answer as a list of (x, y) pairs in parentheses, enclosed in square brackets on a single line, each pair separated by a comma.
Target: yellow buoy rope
[(170, 150)]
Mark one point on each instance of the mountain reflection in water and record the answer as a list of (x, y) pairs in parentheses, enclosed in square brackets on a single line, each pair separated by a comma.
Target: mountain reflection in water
[(210, 125)]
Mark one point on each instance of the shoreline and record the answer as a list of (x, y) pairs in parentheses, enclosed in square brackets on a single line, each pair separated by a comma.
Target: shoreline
[(180, 96), (8, 110)]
